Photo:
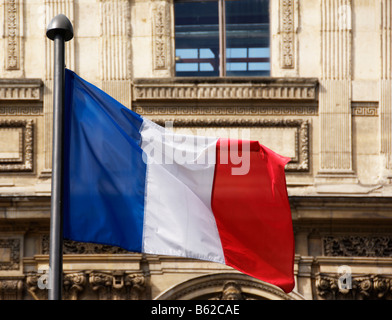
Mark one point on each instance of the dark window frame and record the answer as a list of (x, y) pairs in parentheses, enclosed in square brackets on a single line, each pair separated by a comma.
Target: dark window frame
[(222, 41)]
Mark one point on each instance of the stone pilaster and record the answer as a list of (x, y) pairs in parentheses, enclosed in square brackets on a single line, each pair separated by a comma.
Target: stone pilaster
[(335, 91), (115, 50)]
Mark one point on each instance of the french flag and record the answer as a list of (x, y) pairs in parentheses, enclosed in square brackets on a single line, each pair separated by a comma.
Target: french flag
[(131, 183)]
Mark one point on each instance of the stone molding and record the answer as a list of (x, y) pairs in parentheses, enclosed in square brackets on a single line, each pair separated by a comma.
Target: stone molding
[(207, 89), (25, 160), (225, 110), (16, 90), (224, 286), (21, 110)]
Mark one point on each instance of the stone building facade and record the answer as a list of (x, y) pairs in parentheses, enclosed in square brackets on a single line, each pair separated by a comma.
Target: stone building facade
[(326, 103)]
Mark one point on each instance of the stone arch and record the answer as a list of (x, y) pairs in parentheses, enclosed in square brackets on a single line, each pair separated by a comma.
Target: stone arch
[(226, 286)]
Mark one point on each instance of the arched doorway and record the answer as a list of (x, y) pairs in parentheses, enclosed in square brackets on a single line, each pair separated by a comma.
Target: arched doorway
[(226, 286)]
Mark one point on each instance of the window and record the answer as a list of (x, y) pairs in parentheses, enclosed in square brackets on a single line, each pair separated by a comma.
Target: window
[(222, 38)]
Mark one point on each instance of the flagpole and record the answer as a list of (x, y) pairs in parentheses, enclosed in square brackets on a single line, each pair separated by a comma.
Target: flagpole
[(59, 30)]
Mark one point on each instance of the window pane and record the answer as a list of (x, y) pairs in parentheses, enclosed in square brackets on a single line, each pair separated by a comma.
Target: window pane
[(197, 38), (247, 38)]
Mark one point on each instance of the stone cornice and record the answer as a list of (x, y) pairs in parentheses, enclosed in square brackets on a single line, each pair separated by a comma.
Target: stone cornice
[(21, 89), (174, 89)]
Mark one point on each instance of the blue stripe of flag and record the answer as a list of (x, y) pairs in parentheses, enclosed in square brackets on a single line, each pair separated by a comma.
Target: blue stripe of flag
[(104, 174)]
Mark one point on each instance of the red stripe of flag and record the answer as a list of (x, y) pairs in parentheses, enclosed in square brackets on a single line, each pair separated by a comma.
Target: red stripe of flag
[(253, 213)]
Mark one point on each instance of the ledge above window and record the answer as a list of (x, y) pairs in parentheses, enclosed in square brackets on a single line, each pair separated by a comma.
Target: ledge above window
[(213, 89), (16, 90)]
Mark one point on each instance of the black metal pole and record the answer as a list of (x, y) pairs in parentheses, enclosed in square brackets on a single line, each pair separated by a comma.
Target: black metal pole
[(59, 30)]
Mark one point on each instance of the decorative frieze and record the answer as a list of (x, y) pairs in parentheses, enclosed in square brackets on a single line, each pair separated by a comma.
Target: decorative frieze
[(283, 91), (364, 109), (300, 162), (361, 246), (95, 284), (117, 286), (225, 110), (23, 160), (74, 247), (21, 110), (74, 284), (362, 287)]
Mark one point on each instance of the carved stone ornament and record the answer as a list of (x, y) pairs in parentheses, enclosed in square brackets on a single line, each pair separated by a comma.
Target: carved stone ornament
[(74, 283), (117, 285), (371, 287), (10, 260), (20, 110), (11, 289), (360, 246), (364, 109), (288, 10), (111, 285), (24, 162), (11, 11), (161, 36), (35, 291), (231, 291), (74, 247)]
